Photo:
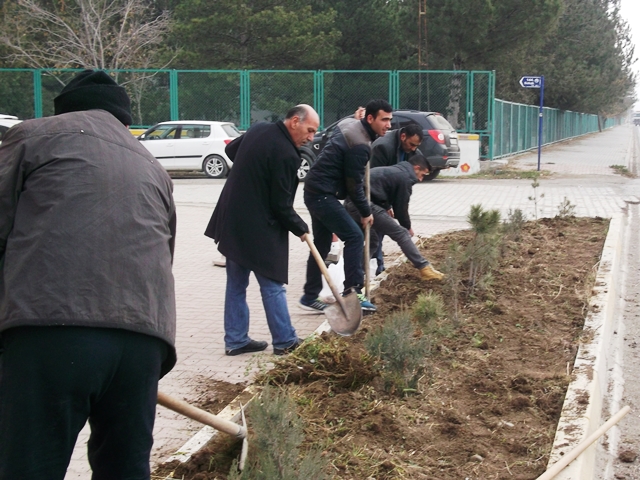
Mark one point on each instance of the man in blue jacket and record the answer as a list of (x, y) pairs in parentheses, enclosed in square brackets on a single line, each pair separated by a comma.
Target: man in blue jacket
[(391, 189), (337, 174)]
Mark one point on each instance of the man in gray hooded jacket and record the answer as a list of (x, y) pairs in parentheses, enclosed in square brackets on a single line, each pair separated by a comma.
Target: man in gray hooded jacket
[(87, 305)]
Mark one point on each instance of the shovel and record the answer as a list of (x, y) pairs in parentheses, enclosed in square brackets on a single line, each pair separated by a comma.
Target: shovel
[(367, 237), (206, 418), (345, 315)]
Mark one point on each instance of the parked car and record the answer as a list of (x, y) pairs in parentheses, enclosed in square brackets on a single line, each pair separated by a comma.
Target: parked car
[(439, 145), (6, 122), (191, 145)]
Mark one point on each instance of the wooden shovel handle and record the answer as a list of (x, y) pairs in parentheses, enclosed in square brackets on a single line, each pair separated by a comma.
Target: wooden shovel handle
[(557, 467), (202, 416)]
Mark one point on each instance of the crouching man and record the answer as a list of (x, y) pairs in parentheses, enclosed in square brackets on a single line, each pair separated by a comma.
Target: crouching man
[(391, 189)]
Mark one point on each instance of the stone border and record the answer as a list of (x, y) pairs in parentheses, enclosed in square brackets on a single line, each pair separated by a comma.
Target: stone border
[(582, 409)]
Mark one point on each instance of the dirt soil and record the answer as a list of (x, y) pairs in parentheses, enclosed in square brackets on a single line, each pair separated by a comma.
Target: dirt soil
[(490, 397)]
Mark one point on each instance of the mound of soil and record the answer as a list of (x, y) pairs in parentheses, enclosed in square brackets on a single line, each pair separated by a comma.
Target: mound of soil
[(490, 395)]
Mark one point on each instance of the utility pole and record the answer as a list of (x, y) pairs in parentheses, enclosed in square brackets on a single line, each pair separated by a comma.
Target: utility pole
[(423, 61), (423, 57)]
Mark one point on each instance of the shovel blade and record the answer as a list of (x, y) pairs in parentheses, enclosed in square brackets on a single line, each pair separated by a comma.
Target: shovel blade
[(344, 322)]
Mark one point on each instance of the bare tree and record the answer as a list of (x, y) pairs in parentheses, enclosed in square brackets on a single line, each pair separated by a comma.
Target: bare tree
[(105, 34)]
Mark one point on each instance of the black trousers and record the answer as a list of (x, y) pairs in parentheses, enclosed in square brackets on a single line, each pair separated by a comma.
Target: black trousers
[(52, 379)]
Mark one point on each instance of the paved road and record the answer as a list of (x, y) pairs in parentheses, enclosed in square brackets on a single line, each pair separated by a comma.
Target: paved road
[(582, 174)]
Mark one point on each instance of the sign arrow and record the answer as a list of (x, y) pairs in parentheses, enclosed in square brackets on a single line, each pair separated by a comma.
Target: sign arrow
[(531, 82)]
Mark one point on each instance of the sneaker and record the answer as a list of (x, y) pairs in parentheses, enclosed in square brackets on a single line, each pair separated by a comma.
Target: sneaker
[(314, 306), (430, 273), (365, 304), (289, 349), (251, 347)]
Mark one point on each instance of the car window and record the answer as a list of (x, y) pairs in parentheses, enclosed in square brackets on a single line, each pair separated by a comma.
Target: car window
[(441, 122), (401, 121), (195, 131), (3, 129), (231, 130), (162, 131)]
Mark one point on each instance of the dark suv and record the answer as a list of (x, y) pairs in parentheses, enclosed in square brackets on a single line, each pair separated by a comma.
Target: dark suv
[(439, 145)]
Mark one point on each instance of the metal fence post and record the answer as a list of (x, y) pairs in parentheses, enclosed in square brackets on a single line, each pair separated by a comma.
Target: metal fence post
[(318, 95), (394, 89), (37, 93), (174, 112), (245, 100)]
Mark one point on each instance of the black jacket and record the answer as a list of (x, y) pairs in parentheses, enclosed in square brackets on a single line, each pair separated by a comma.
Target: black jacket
[(87, 228), (391, 187), (254, 214), (387, 150), (339, 169)]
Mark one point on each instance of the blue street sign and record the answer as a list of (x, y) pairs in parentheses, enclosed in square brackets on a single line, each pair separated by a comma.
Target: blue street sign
[(531, 82), (536, 82)]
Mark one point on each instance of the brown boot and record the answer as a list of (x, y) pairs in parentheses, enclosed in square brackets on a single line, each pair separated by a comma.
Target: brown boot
[(430, 273)]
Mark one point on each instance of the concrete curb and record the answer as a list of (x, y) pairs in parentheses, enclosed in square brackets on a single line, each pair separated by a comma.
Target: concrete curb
[(582, 408)]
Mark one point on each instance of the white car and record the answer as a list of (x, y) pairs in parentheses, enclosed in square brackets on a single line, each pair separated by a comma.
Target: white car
[(191, 145), (6, 122)]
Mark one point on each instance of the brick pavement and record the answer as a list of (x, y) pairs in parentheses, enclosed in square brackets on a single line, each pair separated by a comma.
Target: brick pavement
[(584, 177)]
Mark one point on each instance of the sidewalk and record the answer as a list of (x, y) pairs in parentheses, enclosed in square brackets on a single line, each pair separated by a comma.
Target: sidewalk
[(584, 178)]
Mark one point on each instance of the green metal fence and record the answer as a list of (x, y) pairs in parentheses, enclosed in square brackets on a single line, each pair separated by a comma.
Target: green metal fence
[(465, 98), (516, 127), (247, 96)]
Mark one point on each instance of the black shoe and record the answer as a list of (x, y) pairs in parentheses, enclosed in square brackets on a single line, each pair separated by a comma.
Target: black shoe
[(287, 350), (251, 347)]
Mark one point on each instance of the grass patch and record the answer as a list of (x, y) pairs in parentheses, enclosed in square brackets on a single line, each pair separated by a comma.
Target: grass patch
[(622, 170), (507, 173)]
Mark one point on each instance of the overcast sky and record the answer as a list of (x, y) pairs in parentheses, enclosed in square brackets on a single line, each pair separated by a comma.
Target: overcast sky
[(631, 13)]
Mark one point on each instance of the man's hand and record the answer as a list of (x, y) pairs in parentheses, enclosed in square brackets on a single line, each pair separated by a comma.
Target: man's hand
[(359, 113), (411, 232), (367, 221), (390, 212), (303, 237)]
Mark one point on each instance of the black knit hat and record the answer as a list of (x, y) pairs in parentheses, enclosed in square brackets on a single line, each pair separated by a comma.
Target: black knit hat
[(94, 89)]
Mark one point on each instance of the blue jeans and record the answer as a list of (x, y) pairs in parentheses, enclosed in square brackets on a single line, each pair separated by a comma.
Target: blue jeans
[(328, 216), (236, 310)]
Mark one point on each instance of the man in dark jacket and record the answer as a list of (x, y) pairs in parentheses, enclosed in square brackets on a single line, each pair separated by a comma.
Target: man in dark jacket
[(391, 189), (87, 304), (338, 173), (251, 224), (396, 146)]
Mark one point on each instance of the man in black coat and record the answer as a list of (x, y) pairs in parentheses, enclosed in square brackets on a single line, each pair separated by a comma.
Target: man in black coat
[(396, 146), (251, 224), (391, 189)]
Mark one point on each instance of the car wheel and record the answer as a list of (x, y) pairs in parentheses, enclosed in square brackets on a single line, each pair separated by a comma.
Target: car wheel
[(214, 166), (307, 161), (432, 175)]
